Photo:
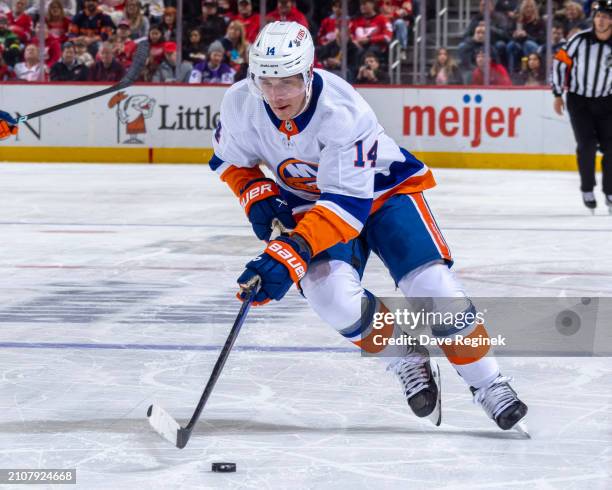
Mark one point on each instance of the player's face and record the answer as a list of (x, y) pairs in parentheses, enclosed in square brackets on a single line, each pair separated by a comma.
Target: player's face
[(285, 96), (602, 22)]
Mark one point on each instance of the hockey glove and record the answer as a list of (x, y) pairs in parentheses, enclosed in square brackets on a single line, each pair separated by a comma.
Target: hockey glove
[(284, 261), (262, 203), (8, 125)]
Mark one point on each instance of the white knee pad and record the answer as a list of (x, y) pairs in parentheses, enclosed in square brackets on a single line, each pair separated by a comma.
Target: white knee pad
[(432, 280), (333, 290)]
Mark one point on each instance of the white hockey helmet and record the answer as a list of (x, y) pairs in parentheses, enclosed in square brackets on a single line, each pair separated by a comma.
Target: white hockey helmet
[(281, 49)]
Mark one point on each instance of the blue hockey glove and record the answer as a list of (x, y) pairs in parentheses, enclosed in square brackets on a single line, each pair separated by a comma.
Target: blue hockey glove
[(284, 261), (262, 203)]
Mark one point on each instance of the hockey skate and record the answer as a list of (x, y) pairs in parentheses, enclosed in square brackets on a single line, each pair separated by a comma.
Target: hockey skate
[(420, 379), (588, 198), (609, 202), (501, 403)]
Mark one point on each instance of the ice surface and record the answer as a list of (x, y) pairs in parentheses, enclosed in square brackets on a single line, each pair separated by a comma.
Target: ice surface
[(117, 288)]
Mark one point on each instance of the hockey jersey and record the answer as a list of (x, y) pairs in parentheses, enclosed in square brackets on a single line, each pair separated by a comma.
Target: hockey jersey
[(333, 163)]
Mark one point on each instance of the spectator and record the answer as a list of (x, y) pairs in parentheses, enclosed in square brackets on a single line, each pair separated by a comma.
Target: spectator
[(154, 9), (287, 11), (56, 20), (211, 25), (371, 31), (139, 24), (236, 49), (467, 51), (330, 56), (53, 48), (249, 20), (558, 40), (529, 34), (574, 17), (330, 25), (167, 72), (68, 68), (224, 9), (20, 22), (501, 28), (9, 42), (124, 46), (507, 8), (156, 45), (82, 55), (69, 7), (168, 25), (399, 13), (6, 72), (370, 71), (533, 72), (213, 70), (91, 25), (194, 51), (30, 69), (444, 70), (107, 68), (497, 73), (113, 8)]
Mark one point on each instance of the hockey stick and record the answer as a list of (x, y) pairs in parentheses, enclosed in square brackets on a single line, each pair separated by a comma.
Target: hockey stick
[(163, 423), (140, 59)]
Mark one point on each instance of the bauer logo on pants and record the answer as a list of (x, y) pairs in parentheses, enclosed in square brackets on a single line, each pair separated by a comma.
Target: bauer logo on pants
[(132, 111)]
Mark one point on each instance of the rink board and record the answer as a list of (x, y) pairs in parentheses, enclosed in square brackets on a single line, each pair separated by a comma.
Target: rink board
[(461, 127)]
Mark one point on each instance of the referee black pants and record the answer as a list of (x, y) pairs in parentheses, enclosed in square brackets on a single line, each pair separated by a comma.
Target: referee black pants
[(592, 124)]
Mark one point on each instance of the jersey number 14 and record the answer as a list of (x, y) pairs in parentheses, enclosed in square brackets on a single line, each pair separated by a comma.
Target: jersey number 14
[(371, 156)]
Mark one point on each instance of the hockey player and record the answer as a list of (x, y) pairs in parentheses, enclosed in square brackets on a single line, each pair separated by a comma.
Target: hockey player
[(345, 189)]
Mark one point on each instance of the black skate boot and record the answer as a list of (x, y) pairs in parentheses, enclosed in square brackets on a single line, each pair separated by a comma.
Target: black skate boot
[(588, 198), (501, 403), (420, 378), (609, 202)]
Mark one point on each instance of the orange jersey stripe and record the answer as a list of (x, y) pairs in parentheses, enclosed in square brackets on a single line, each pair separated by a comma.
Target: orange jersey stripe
[(410, 186), (323, 228), (431, 224), (238, 177), (466, 354)]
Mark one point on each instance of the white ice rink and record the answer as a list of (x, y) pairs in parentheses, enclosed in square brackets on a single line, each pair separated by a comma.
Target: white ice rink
[(117, 288)]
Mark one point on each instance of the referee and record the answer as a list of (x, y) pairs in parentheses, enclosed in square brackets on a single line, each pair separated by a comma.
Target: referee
[(584, 68)]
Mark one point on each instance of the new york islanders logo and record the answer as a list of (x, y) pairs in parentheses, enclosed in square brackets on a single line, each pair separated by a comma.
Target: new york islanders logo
[(299, 175)]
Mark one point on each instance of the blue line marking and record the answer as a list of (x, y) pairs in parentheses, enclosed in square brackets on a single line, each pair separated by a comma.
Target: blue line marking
[(169, 347)]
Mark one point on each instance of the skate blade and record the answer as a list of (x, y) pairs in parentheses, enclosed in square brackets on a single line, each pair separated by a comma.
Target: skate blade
[(435, 417), (521, 428)]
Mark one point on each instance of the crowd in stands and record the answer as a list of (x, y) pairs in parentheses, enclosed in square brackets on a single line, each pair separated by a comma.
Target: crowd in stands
[(95, 40)]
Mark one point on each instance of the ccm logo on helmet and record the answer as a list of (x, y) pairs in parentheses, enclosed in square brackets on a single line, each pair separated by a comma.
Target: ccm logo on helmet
[(295, 264)]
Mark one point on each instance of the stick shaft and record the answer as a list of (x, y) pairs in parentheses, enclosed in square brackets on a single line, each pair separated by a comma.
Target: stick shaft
[(185, 433), (72, 102)]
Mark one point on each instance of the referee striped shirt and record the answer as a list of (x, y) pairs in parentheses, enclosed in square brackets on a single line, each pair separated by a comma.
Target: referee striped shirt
[(583, 66)]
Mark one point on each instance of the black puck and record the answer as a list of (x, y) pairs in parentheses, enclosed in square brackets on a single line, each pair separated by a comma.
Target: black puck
[(224, 467)]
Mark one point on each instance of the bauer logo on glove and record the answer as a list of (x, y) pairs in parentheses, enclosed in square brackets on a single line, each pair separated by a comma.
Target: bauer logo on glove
[(284, 261)]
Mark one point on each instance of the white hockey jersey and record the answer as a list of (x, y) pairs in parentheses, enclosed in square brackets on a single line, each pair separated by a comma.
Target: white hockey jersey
[(333, 162)]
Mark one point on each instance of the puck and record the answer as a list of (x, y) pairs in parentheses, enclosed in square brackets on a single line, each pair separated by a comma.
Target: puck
[(224, 467)]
